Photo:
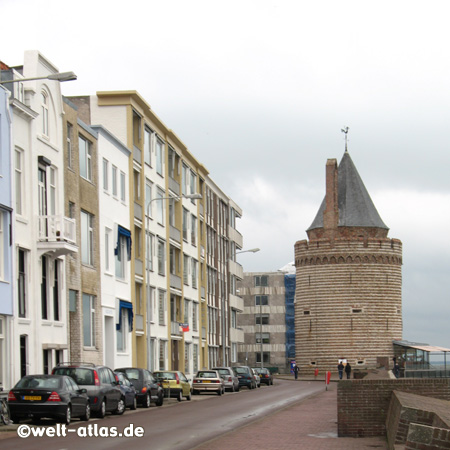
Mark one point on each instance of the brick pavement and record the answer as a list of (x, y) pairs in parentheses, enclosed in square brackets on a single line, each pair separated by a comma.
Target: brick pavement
[(307, 425)]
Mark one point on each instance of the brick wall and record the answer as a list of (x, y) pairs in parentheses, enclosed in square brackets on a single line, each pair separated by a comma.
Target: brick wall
[(423, 437), (363, 404)]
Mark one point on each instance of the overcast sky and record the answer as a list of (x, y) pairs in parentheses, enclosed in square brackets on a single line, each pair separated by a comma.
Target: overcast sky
[(259, 91)]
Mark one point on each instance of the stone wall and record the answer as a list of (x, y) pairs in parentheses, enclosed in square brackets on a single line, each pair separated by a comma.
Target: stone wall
[(363, 404)]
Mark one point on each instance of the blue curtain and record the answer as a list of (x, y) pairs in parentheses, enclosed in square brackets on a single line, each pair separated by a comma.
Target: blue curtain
[(121, 231), (129, 307)]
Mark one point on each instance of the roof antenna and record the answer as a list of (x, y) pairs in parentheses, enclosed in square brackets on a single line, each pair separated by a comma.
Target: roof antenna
[(345, 130)]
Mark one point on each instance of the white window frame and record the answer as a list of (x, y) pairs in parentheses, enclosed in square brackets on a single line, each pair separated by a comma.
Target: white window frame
[(53, 191), (161, 257), (85, 153), (69, 130), (19, 179), (114, 180), (159, 157), (105, 174), (44, 113), (123, 187), (121, 259), (108, 242), (161, 307), (88, 338), (87, 238), (122, 334), (148, 146), (194, 264)]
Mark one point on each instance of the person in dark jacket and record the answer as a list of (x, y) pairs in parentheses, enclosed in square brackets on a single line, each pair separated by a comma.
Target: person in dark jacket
[(348, 370), (296, 370), (340, 368)]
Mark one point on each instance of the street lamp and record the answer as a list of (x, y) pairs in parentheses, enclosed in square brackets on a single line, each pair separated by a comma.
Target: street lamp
[(147, 210), (252, 250), (60, 76)]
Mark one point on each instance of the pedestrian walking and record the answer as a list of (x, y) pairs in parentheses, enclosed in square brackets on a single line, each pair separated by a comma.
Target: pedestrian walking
[(340, 368), (348, 370), (396, 369), (296, 370)]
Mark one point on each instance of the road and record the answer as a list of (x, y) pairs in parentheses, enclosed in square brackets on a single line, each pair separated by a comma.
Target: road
[(175, 426)]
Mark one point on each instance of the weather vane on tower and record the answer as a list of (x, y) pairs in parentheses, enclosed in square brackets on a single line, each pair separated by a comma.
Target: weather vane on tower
[(345, 130)]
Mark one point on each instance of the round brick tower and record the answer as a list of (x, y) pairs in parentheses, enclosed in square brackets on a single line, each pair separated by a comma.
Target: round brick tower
[(348, 300)]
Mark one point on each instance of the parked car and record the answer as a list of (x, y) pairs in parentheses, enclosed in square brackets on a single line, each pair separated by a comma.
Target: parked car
[(128, 390), (265, 375), (148, 390), (48, 396), (229, 377), (208, 381), (245, 376), (174, 384), (257, 378), (100, 383)]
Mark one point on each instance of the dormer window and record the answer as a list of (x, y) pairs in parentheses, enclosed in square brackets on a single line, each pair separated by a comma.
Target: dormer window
[(44, 112)]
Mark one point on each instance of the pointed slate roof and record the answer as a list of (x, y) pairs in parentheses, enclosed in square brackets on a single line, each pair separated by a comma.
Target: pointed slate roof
[(356, 208)]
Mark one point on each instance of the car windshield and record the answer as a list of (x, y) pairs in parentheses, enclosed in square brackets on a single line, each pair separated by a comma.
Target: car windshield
[(39, 383), (240, 370), (165, 375), (80, 376), (132, 374), (206, 375), (223, 372)]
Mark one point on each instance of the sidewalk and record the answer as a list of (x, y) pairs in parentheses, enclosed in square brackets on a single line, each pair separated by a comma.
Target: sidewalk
[(308, 425)]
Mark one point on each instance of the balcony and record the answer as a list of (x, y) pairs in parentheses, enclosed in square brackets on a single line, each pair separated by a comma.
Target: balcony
[(236, 302), (57, 235), (139, 323), (237, 335), (236, 269), (175, 234), (175, 329), (235, 236), (175, 281), (174, 186)]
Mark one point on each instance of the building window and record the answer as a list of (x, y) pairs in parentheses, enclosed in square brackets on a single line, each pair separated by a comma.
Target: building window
[(161, 257), (69, 145), (185, 224), (44, 290), (137, 185), (108, 241), (234, 352), (162, 355), (184, 179), (18, 181), (265, 338), (160, 207), (261, 281), (44, 112), (121, 332), (266, 357), (87, 238), (187, 359), (53, 190), (262, 319), (193, 230), (56, 296), (233, 318), (85, 153), (173, 163), (193, 184), (147, 146), (105, 174), (195, 316), (148, 198), (114, 180), (22, 283), (195, 357), (149, 243), (121, 257), (186, 270), (159, 157), (47, 363), (123, 187), (161, 307), (194, 265), (261, 300), (88, 320)]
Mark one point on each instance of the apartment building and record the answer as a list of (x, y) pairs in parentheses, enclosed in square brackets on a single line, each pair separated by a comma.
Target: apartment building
[(264, 320), (44, 236), (6, 253), (81, 200)]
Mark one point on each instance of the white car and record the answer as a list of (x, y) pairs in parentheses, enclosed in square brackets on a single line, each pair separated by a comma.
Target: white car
[(257, 378)]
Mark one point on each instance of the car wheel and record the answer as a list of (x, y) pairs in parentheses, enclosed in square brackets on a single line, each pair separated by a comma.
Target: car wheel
[(87, 413), (102, 411), (219, 392), (120, 407), (259, 385), (188, 398), (233, 388), (147, 401), (15, 419), (160, 400), (67, 416), (194, 392), (134, 405), (180, 396)]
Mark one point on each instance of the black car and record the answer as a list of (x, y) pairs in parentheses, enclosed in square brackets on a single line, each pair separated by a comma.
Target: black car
[(48, 396), (100, 383), (245, 376), (148, 391), (128, 390)]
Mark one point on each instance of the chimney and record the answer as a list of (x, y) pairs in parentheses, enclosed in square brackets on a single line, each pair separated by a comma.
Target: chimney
[(331, 213)]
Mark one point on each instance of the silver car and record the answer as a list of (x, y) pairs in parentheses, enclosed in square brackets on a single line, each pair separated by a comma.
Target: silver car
[(229, 377), (257, 378)]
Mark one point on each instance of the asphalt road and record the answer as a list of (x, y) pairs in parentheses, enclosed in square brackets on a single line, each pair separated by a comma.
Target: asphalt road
[(175, 426)]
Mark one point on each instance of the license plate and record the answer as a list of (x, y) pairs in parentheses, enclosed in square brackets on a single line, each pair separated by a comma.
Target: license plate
[(206, 381), (239, 377), (32, 397)]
